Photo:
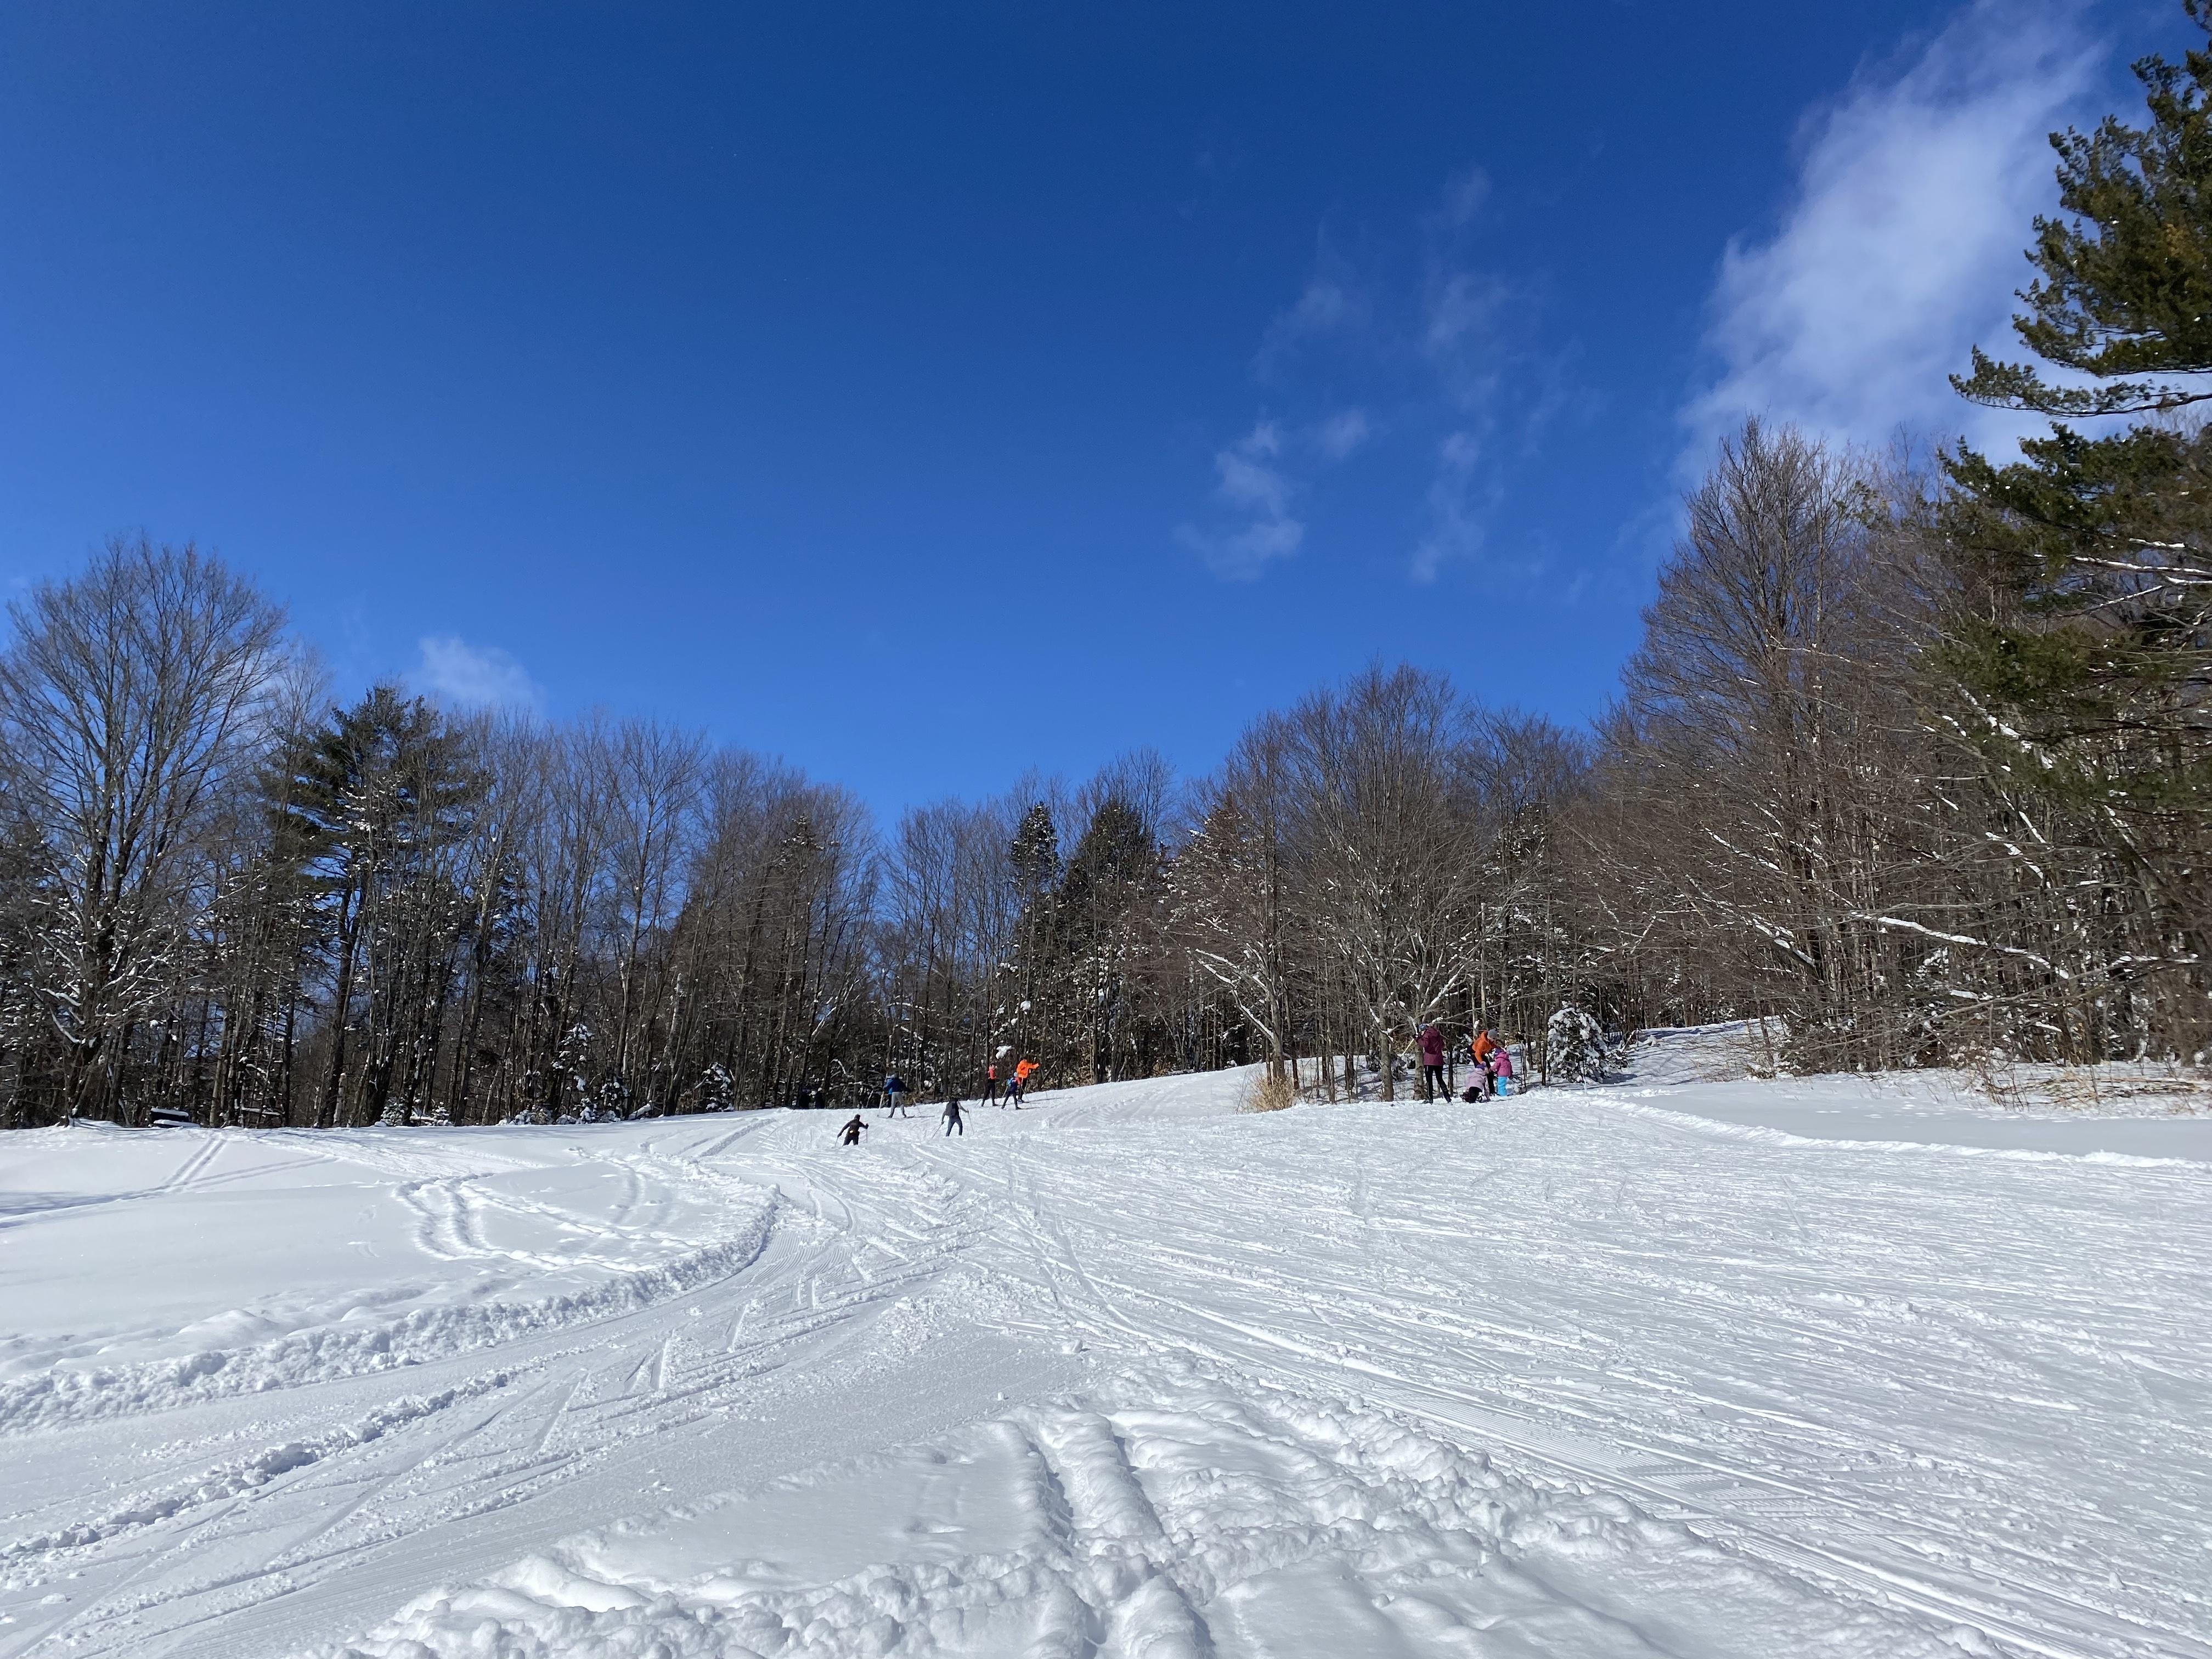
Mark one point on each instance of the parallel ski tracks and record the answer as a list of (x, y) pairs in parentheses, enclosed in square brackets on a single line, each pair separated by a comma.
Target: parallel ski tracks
[(1799, 1529), (1378, 1322), (546, 1408)]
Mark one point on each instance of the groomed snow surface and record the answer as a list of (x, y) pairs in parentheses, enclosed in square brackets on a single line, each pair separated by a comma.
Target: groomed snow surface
[(1674, 1366)]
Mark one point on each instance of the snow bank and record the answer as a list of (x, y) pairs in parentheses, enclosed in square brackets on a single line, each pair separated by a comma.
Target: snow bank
[(1702, 1073)]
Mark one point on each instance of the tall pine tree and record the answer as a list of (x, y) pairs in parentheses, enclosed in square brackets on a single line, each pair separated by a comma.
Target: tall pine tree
[(2083, 644), (1035, 856)]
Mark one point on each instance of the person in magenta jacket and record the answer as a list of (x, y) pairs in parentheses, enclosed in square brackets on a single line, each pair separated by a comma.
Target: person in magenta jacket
[(1433, 1061)]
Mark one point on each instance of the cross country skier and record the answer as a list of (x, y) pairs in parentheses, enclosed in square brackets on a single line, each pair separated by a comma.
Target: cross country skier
[(991, 1085), (850, 1135), (953, 1123), (1020, 1086), (895, 1094)]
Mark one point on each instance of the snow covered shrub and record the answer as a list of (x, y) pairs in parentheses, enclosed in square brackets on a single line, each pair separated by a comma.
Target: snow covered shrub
[(1270, 1091), (716, 1088), (574, 1058), (1574, 1044)]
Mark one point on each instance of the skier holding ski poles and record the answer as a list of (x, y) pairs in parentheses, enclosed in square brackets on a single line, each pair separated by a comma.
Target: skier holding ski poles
[(953, 1123)]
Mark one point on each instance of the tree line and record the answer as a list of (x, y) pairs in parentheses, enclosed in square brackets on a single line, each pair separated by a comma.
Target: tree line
[(1912, 765)]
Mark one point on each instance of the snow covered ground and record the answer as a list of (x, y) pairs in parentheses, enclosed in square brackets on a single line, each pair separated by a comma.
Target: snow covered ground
[(1677, 1366)]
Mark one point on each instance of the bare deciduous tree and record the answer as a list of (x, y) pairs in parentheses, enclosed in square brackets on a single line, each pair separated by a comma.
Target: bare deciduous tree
[(131, 698)]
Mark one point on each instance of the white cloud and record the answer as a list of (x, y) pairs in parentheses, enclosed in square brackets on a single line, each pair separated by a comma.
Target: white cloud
[(1327, 303), (1241, 554), (1254, 482), (1249, 481), (1462, 307), (464, 676), (1342, 432), (1250, 477), (1457, 507), (1333, 302), (1467, 345), (1464, 195), (1461, 335), (1902, 246), (1432, 344)]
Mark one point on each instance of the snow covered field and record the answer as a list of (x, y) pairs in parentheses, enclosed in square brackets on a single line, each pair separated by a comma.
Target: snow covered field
[(1675, 1366)]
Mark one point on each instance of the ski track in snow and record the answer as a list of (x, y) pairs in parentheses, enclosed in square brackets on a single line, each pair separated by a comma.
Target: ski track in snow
[(1583, 1373)]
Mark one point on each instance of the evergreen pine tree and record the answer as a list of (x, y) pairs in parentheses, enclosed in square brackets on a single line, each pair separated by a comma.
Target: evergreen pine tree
[(376, 801), (2090, 632), (1035, 856), (1111, 871), (2124, 286), (1574, 1046), (1036, 853), (2083, 645), (716, 1088), (571, 1088)]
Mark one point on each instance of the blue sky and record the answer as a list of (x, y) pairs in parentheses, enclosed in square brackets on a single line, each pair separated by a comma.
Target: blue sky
[(929, 393)]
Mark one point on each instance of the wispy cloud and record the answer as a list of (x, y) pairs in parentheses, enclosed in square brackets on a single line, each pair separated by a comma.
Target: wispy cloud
[(464, 676), (1255, 480), (1901, 245), (1466, 344), (1342, 432), (1332, 302), (1428, 335), (1464, 195), (1460, 500), (1461, 334), (1251, 486)]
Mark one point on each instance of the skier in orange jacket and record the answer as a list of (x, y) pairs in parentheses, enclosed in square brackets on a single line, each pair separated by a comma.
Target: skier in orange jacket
[(1019, 1086)]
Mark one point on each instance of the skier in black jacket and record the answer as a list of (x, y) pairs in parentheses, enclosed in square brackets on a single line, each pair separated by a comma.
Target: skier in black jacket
[(851, 1132), (954, 1123)]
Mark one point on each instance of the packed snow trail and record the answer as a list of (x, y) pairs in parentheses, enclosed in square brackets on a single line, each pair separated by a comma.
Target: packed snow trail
[(1580, 1373)]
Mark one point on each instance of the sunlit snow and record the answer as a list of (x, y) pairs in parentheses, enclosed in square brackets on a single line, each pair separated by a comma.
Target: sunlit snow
[(1676, 1366)]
